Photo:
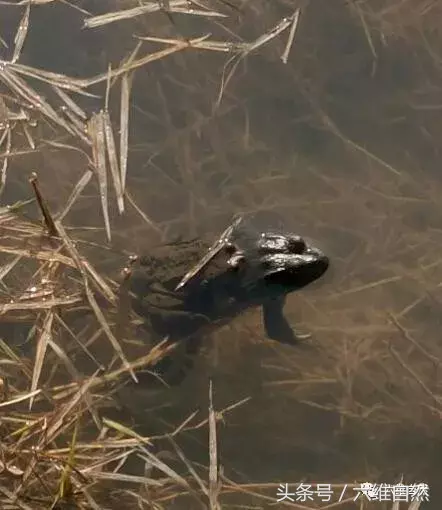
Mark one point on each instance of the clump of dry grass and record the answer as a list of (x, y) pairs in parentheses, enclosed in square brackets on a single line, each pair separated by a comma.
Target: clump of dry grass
[(56, 447)]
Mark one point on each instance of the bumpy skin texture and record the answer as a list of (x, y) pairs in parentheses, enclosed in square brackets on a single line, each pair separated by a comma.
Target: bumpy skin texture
[(256, 267)]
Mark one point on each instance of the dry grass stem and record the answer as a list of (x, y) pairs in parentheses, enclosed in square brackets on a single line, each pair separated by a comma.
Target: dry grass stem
[(151, 7), (126, 83), (96, 132), (214, 482), (22, 32), (49, 221), (42, 343), (76, 192), (291, 37), (113, 161)]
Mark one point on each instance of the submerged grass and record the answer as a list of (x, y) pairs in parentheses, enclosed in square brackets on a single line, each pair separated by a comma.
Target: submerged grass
[(58, 447)]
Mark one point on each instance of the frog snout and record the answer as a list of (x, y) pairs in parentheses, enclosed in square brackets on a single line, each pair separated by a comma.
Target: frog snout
[(315, 247)]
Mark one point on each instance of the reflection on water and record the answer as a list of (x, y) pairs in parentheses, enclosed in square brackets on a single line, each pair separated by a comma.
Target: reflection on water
[(342, 143)]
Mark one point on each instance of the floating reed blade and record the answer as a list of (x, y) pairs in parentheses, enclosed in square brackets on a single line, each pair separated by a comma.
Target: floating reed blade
[(113, 161), (285, 55), (112, 17), (214, 483), (126, 83), (4, 169), (96, 132), (79, 187), (22, 32), (42, 343)]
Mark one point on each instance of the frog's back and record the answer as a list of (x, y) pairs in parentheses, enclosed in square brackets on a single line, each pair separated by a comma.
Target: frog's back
[(165, 265), (173, 312)]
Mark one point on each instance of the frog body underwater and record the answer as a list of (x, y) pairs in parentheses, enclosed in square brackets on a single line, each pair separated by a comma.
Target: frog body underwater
[(250, 265)]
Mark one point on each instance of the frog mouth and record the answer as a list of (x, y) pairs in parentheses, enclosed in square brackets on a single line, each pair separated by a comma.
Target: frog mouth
[(297, 277)]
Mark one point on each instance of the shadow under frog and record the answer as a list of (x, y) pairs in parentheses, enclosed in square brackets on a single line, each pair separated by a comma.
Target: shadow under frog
[(254, 263)]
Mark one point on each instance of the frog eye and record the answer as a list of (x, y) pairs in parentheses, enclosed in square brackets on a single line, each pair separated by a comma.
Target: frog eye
[(297, 245)]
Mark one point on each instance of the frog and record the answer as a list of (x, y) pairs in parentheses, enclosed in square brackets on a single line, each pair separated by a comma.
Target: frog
[(185, 289)]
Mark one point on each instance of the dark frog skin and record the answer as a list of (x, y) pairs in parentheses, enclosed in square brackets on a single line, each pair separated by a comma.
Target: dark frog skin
[(256, 264)]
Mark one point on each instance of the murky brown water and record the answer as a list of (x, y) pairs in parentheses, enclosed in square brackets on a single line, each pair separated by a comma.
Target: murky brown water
[(343, 141)]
